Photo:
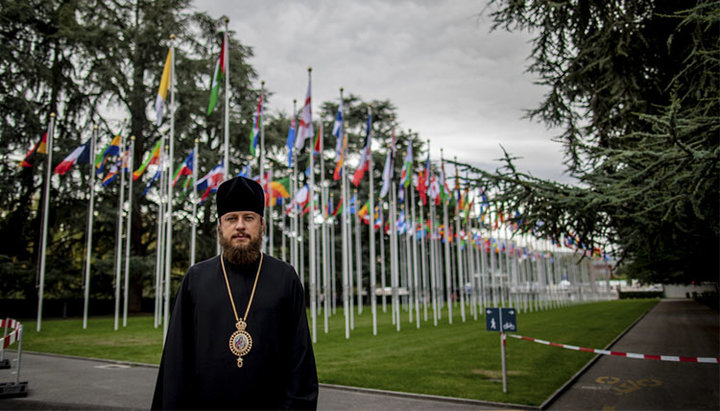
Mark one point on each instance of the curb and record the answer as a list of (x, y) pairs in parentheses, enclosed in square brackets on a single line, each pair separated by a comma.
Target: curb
[(590, 363), (410, 395), (105, 360)]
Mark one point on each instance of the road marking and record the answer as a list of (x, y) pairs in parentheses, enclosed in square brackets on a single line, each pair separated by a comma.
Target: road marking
[(622, 387), (112, 366)]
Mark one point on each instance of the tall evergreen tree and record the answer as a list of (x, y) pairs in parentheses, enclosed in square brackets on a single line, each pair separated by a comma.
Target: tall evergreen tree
[(635, 87)]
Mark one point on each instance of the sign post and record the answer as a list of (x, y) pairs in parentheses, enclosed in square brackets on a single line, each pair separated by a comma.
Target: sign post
[(501, 319)]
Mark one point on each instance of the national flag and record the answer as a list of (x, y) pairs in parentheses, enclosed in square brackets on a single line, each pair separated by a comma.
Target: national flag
[(400, 223), (153, 158), (389, 170), (279, 190), (434, 189), (80, 155), (364, 159), (291, 141), (302, 196), (306, 126), (444, 189), (40, 148), (406, 172), (111, 175), (353, 203), (150, 183), (364, 210), (125, 159), (328, 208), (218, 75), (257, 123), (422, 188), (378, 217), (338, 167), (316, 148), (338, 129), (162, 90), (338, 208), (211, 181), (387, 175), (186, 169), (112, 149), (245, 171)]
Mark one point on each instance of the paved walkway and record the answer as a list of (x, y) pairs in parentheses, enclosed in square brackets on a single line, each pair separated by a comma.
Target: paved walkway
[(672, 327), (56, 382)]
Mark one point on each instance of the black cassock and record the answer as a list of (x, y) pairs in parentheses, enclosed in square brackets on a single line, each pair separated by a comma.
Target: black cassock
[(198, 370)]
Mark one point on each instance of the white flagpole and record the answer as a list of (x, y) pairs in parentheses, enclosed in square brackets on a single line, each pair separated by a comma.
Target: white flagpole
[(226, 147), (261, 158), (293, 191), (271, 218), (460, 269), (410, 199), (448, 269), (46, 205), (412, 283), (160, 247), (311, 232), (193, 197), (171, 154), (326, 262), (373, 259), (324, 234), (358, 265), (118, 239), (423, 259), (88, 243), (394, 257), (267, 213), (345, 245), (383, 272), (127, 231)]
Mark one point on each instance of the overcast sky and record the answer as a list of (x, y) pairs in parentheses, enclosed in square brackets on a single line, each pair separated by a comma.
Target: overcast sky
[(452, 80)]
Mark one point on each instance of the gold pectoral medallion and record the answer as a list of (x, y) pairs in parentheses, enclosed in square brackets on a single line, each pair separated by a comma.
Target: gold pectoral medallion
[(240, 342)]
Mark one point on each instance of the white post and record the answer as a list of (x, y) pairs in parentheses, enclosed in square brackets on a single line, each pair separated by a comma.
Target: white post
[(311, 231), (127, 232), (46, 205), (118, 239), (345, 245), (194, 199), (88, 241), (226, 146), (171, 145)]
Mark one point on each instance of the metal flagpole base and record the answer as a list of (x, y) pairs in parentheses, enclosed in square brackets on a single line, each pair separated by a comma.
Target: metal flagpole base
[(13, 389), (4, 364)]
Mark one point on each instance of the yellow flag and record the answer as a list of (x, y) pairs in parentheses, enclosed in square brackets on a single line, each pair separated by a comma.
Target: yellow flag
[(162, 91)]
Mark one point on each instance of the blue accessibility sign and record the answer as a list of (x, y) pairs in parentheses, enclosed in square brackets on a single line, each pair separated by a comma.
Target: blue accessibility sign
[(500, 319)]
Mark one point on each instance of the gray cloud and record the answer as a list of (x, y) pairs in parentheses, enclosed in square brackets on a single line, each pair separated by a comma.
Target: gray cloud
[(452, 79)]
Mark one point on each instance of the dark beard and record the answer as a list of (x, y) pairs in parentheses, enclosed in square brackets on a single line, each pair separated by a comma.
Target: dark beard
[(241, 254)]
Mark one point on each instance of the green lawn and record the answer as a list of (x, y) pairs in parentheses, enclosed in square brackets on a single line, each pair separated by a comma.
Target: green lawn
[(458, 360)]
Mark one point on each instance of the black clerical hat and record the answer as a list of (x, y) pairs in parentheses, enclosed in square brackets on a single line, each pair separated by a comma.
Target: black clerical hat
[(240, 194)]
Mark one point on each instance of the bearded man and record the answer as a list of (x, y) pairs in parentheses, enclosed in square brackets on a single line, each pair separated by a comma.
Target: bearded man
[(238, 335)]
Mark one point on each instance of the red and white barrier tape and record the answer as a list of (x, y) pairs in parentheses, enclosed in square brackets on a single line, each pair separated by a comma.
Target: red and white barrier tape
[(675, 358), (13, 335), (9, 323)]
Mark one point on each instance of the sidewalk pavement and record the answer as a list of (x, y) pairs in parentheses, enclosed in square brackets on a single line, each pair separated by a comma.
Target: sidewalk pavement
[(65, 383), (671, 327)]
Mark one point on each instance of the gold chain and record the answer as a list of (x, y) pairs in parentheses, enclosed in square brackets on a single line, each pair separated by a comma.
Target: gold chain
[(252, 294)]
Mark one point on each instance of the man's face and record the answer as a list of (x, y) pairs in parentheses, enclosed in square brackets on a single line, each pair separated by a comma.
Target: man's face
[(240, 235)]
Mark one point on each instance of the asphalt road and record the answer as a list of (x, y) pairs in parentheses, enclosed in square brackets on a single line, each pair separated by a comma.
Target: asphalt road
[(672, 327)]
